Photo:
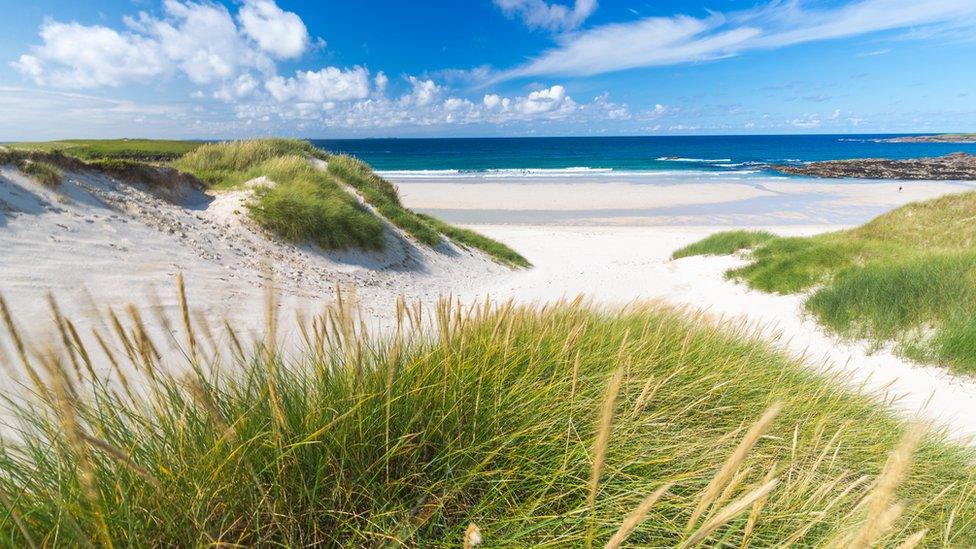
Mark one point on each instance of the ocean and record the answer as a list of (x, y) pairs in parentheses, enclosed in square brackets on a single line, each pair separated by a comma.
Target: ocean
[(609, 156)]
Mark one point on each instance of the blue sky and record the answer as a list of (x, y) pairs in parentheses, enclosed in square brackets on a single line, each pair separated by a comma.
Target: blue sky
[(237, 68)]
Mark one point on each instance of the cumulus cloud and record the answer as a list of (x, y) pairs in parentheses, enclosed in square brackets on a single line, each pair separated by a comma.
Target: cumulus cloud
[(244, 86), (201, 40), (90, 56), (423, 92), (427, 103), (659, 41), (539, 14), (325, 85), (546, 100), (278, 32)]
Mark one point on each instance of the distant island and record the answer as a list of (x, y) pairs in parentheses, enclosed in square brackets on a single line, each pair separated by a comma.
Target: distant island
[(956, 166), (939, 138)]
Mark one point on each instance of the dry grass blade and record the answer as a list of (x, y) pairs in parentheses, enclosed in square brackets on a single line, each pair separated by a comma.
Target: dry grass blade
[(472, 536), (881, 511), (600, 444), (636, 517), (729, 512), (732, 464), (913, 540), (125, 459)]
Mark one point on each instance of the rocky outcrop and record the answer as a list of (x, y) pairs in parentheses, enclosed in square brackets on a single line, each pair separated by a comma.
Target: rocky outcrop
[(956, 166), (941, 138)]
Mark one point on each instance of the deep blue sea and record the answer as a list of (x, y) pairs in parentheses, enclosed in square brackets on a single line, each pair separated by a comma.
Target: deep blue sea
[(552, 156)]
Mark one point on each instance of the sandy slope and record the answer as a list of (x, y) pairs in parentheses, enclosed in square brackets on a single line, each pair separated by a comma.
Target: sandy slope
[(95, 240)]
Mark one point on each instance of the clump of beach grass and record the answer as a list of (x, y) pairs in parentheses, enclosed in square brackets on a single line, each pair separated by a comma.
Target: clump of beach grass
[(725, 243), (558, 424), (383, 195), (230, 163), (42, 172), (907, 277), (306, 203)]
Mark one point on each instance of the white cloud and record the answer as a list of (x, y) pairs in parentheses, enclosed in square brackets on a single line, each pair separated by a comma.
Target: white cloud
[(423, 92), (198, 39), (428, 104), (546, 100), (244, 86), (278, 32), (325, 85), (89, 56), (539, 14), (658, 41), (381, 82), (203, 41)]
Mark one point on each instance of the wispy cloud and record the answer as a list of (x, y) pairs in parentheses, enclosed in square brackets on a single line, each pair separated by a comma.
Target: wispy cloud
[(659, 41), (539, 14)]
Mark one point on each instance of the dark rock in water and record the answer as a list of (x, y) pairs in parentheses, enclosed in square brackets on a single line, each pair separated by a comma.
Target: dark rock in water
[(956, 166)]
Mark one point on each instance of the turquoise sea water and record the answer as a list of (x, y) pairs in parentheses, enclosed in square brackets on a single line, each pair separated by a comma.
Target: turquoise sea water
[(593, 156)]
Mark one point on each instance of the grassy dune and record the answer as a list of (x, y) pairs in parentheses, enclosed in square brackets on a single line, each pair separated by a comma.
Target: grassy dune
[(907, 276), (560, 425), (304, 205)]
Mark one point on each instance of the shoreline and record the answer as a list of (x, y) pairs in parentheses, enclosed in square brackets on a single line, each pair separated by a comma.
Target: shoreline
[(664, 201)]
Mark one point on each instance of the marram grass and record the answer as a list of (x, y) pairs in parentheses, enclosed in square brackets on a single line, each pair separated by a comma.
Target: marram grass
[(908, 277), (501, 425)]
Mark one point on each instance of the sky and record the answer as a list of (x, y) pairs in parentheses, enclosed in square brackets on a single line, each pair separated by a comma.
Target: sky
[(214, 69)]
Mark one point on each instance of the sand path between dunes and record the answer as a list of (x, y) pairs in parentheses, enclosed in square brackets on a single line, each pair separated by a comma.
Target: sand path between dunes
[(624, 264)]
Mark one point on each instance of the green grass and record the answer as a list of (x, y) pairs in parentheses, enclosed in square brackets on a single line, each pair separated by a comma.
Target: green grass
[(228, 164), (472, 239), (543, 426), (306, 204), (44, 173), (725, 243), (147, 150), (906, 277), (382, 195)]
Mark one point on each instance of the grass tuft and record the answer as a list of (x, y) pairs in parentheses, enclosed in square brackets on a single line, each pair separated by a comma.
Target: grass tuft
[(725, 243), (306, 204), (44, 173), (228, 164), (485, 430)]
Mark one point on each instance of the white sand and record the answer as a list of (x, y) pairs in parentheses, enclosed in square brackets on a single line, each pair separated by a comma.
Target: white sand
[(534, 195), (667, 200), (118, 243)]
